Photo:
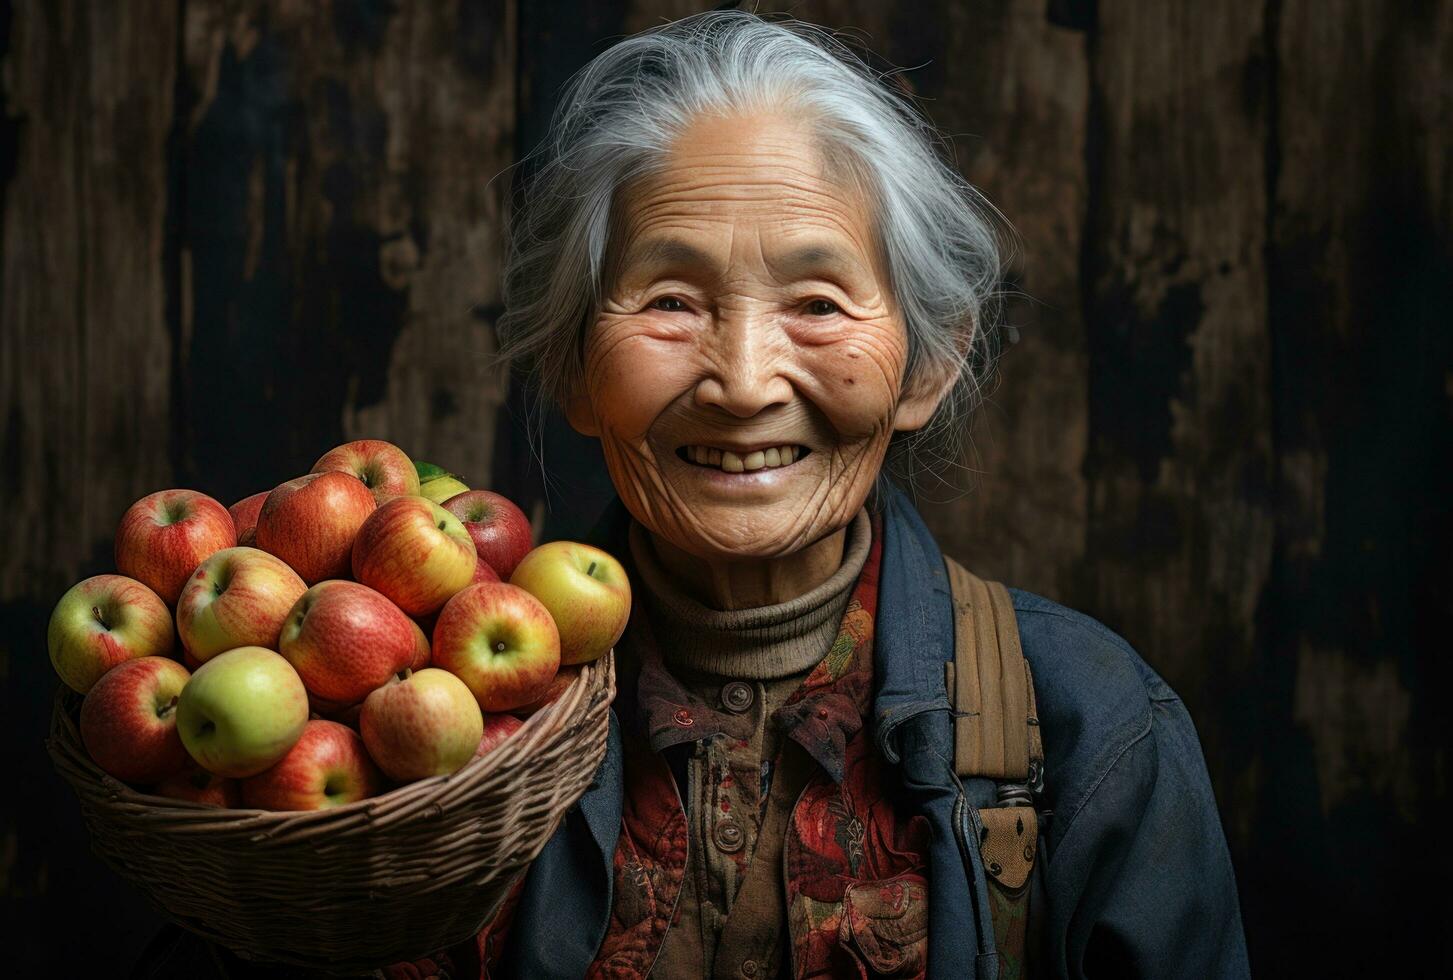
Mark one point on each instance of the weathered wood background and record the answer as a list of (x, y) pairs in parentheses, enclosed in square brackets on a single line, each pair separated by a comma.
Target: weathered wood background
[(237, 233)]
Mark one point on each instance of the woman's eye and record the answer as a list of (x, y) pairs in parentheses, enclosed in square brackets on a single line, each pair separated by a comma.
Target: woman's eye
[(678, 308), (822, 307)]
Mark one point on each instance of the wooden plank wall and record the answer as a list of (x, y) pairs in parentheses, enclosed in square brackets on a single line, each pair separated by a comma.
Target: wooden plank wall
[(236, 232)]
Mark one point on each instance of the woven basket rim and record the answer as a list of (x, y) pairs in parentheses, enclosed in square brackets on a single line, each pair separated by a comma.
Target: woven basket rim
[(521, 742)]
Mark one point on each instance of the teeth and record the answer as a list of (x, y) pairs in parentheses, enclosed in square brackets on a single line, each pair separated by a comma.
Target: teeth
[(733, 463)]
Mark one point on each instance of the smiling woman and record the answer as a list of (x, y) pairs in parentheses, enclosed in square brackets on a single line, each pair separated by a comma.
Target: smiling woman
[(745, 265)]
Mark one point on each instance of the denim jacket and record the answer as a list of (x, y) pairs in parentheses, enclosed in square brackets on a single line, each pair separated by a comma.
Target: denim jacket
[(1135, 877)]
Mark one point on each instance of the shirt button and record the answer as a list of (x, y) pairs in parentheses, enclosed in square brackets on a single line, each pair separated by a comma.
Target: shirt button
[(683, 718), (729, 837), (749, 968), (737, 696)]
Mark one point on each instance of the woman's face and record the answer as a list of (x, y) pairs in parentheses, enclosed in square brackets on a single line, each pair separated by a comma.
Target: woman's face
[(747, 312)]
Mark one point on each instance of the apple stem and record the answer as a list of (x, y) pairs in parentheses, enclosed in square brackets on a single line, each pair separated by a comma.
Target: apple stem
[(406, 673), (591, 569), (96, 612)]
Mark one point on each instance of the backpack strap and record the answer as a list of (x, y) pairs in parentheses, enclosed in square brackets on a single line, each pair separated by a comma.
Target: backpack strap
[(996, 728)]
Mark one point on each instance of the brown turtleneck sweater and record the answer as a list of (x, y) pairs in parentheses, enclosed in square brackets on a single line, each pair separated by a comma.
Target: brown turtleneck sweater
[(719, 656)]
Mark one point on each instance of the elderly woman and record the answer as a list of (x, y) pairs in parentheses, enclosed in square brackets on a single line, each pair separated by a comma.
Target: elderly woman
[(743, 266)]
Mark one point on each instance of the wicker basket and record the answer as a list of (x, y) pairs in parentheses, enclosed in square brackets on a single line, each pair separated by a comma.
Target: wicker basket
[(354, 888)]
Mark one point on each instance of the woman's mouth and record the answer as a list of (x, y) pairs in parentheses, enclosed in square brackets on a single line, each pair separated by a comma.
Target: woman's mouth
[(727, 461)]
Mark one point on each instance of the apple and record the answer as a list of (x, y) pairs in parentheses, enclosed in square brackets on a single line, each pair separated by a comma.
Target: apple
[(500, 530), (239, 597), (165, 535), (383, 467), (421, 649), (499, 640), (242, 711), (415, 552), (200, 786), (244, 513), (327, 767), (345, 639), (497, 728), (424, 724), (129, 720), (103, 621), (483, 572), (311, 522), (564, 677), (586, 591), (441, 488)]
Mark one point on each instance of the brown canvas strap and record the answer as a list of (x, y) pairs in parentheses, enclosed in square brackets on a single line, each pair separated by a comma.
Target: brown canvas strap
[(996, 730)]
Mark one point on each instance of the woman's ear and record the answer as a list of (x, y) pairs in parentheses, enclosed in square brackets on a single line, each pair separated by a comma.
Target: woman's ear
[(580, 414), (922, 397)]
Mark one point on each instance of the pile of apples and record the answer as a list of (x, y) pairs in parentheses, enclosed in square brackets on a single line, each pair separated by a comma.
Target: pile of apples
[(369, 624)]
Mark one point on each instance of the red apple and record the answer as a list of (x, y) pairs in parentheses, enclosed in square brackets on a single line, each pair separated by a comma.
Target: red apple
[(239, 597), (165, 535), (383, 467), (129, 720), (499, 640), (200, 786), (327, 767), (345, 639), (311, 522), (483, 572), (497, 728), (244, 513), (586, 591), (564, 677), (103, 621), (500, 530), (426, 724), (415, 552)]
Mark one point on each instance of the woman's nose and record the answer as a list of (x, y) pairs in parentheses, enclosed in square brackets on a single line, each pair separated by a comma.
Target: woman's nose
[(745, 373)]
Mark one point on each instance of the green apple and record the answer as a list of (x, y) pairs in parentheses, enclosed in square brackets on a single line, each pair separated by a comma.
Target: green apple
[(441, 488), (242, 711), (586, 591)]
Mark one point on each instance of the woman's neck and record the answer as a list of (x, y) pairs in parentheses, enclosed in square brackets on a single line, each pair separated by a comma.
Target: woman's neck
[(752, 582)]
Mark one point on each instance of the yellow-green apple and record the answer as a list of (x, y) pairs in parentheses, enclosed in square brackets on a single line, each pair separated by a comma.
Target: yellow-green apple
[(200, 786), (129, 720), (165, 535), (345, 639), (419, 725), (415, 552), (103, 621), (244, 513), (500, 530), (421, 649), (239, 597), (442, 487), (586, 591), (241, 711), (311, 522), (497, 728), (499, 640), (383, 467), (564, 677), (327, 767)]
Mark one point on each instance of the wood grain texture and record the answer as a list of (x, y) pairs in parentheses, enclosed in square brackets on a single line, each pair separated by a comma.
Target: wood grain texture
[(341, 232)]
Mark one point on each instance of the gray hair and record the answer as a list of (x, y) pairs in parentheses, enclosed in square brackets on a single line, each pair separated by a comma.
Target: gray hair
[(614, 124)]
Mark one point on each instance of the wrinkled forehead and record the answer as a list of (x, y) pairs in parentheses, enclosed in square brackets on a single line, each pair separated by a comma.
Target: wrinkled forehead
[(776, 173)]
